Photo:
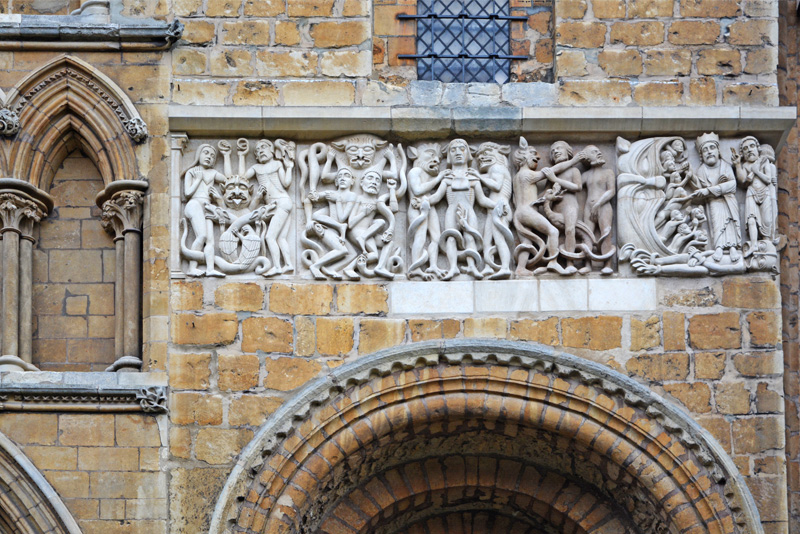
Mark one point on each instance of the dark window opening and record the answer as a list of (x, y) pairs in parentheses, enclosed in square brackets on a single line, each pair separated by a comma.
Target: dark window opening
[(463, 40)]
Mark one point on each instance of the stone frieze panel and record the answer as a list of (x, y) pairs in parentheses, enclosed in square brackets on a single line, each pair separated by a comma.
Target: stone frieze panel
[(363, 207), (700, 207)]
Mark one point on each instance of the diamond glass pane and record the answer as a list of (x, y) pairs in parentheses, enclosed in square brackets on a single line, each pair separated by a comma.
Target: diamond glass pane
[(461, 41)]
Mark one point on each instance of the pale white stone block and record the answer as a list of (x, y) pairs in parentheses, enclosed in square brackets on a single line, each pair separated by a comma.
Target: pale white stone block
[(563, 295), (431, 297), (36, 377), (507, 296), (627, 294)]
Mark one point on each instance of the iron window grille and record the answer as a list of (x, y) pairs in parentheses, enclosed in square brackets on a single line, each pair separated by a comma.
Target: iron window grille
[(463, 40)]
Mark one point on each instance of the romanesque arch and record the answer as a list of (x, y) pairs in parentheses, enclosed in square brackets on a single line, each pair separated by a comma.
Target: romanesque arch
[(511, 436), (28, 504)]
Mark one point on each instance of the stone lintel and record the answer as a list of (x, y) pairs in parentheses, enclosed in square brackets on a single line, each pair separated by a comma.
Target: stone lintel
[(76, 32), (599, 124)]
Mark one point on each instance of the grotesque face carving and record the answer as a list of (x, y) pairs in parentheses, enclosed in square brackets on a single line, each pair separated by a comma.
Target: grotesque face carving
[(360, 153), (710, 153), (428, 158), (236, 193), (560, 151), (207, 156), (264, 151), (750, 149), (371, 183), (490, 154)]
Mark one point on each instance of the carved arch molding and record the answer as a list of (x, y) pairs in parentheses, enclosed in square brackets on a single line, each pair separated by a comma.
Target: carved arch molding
[(512, 436), (65, 105), (28, 504)]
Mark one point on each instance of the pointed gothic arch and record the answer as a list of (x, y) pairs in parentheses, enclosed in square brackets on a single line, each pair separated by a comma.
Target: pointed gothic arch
[(425, 433), (66, 97), (64, 105), (28, 503)]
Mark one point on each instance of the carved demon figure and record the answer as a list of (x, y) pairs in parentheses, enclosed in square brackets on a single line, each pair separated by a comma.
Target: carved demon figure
[(351, 234)]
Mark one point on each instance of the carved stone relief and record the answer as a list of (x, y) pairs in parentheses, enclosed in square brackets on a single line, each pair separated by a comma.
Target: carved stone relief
[(692, 213), (238, 222), (476, 210)]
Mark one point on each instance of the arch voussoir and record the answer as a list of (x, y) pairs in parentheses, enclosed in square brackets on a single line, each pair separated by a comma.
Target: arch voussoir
[(594, 436)]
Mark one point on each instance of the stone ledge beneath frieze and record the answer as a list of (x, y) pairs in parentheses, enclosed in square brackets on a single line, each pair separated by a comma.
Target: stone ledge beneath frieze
[(511, 296), (770, 123), (83, 392)]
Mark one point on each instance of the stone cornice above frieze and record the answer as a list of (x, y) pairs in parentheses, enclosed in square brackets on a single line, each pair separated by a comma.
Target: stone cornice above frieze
[(771, 124)]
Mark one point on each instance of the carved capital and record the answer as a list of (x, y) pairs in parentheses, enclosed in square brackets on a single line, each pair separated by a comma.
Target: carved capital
[(123, 212), (18, 213), (121, 203), (22, 205)]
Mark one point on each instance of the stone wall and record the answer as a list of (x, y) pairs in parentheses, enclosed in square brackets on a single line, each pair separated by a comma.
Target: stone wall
[(107, 468), (790, 279), (74, 276), (241, 348), (234, 351), (318, 53)]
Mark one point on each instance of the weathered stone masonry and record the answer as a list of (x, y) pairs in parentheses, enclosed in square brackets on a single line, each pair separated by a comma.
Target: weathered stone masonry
[(304, 397)]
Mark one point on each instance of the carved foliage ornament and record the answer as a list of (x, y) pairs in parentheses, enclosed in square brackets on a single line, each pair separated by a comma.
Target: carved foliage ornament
[(123, 212), (18, 213), (456, 210), (9, 122), (700, 212)]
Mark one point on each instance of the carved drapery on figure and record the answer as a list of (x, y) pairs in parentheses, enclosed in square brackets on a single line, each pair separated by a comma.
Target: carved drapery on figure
[(684, 218), (339, 210), (21, 207), (121, 203)]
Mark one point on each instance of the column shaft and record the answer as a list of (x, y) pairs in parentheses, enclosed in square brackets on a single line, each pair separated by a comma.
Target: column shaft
[(26, 299), (119, 300), (10, 293), (133, 290)]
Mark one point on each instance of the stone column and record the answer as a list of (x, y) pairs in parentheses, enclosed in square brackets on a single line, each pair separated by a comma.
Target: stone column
[(122, 202), (21, 206)]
